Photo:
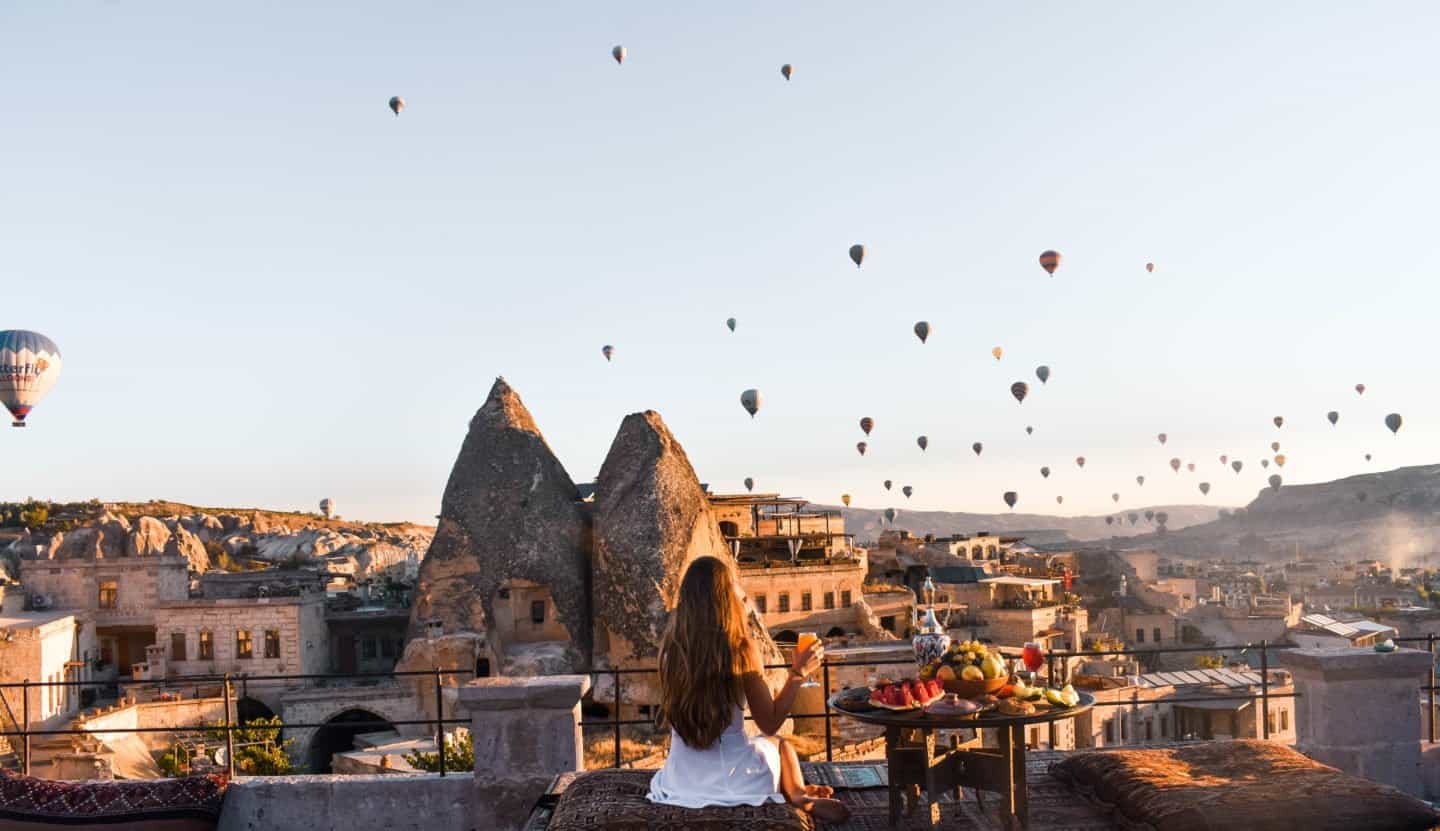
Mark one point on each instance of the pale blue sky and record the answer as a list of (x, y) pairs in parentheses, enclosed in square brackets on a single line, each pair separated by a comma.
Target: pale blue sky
[(268, 289)]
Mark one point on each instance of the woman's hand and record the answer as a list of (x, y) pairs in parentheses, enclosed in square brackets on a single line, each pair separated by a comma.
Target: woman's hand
[(807, 661)]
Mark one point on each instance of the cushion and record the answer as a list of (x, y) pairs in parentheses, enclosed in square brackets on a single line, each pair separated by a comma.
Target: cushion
[(188, 804), (1249, 784), (614, 800)]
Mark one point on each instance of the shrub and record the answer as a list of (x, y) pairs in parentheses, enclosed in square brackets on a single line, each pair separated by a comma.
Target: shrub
[(459, 754), (259, 750)]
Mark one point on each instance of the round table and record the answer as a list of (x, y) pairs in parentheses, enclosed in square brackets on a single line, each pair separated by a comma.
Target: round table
[(914, 761)]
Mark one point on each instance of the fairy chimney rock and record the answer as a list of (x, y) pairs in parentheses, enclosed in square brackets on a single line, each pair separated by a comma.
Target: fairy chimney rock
[(651, 519), (510, 512)]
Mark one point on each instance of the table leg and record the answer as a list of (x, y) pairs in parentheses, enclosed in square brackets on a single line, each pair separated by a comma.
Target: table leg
[(933, 786), (955, 747), (1005, 737), (892, 756), (1019, 789)]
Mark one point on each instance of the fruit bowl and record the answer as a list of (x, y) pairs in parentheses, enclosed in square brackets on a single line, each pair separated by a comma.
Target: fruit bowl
[(975, 689)]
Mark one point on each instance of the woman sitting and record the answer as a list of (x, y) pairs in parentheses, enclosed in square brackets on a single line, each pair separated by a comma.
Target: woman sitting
[(709, 671)]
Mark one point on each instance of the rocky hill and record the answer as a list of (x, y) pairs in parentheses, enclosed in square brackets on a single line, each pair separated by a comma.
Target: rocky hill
[(209, 537), (1393, 516), (1039, 529)]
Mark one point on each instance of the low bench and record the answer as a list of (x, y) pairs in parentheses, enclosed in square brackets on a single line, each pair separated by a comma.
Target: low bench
[(192, 803)]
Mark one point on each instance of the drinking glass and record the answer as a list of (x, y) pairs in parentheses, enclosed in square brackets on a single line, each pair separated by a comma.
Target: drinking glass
[(1034, 658), (802, 643)]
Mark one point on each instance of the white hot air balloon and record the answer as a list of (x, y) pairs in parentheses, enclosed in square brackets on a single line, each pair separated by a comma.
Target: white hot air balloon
[(327, 507), (29, 366)]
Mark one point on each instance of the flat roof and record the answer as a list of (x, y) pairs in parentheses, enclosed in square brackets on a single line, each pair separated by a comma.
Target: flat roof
[(1012, 580), (25, 620)]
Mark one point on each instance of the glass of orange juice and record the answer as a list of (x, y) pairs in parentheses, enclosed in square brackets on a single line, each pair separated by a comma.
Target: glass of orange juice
[(805, 641)]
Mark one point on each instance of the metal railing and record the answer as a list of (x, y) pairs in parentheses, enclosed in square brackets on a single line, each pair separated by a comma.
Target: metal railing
[(1055, 662), (229, 725), (1428, 688)]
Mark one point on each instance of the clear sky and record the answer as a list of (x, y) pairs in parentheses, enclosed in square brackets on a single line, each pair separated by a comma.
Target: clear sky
[(268, 289)]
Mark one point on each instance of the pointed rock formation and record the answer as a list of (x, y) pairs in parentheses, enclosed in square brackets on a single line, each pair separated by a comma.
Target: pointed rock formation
[(182, 543), (148, 538), (651, 520), (510, 512)]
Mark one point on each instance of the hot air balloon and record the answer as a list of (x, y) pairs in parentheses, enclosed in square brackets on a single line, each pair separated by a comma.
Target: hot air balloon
[(1265, 463), (1333, 417), (1279, 421), (1205, 488), (787, 70), (1150, 267), (1020, 389), (1361, 496), (1029, 431), (997, 352), (1359, 389), (922, 330), (396, 104), (618, 53), (1393, 421), (924, 442), (29, 366), (1045, 472), (1275, 447), (1109, 520), (1050, 260), (327, 507), (907, 490), (857, 253), (1140, 480), (867, 424), (1163, 438), (862, 447), (1080, 461), (1367, 457), (730, 322), (845, 498), (1059, 500), (752, 401), (1161, 517), (1133, 517), (1224, 459), (1175, 465), (1190, 466), (1280, 459), (1149, 516), (1011, 498), (1043, 373), (1236, 465), (1274, 481), (890, 514), (888, 484), (608, 351), (977, 447), (1115, 497)]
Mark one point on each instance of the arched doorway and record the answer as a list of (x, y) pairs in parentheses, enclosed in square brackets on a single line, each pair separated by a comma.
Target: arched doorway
[(835, 632), (338, 736), (787, 636), (729, 529), (248, 709)]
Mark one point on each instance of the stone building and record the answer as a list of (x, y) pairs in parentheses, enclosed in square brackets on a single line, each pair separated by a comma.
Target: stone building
[(44, 646), (265, 636)]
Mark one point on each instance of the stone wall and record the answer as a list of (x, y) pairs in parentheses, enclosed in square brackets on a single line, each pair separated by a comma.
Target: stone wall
[(186, 714), (765, 586), (415, 802), (392, 702), (142, 582), (300, 622), (37, 648)]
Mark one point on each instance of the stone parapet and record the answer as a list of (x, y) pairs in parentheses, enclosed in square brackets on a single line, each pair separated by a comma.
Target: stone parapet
[(1356, 710), (525, 732)]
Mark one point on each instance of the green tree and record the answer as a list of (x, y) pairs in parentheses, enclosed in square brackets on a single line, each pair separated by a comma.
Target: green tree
[(1209, 662), (259, 750), (459, 755)]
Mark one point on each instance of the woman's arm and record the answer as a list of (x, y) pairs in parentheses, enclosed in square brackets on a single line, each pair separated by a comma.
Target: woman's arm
[(770, 712)]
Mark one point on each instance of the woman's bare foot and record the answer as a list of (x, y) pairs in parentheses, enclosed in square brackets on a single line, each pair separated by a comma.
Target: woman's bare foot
[(826, 809), (819, 791)]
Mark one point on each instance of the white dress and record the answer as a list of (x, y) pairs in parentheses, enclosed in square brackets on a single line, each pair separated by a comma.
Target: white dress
[(736, 770)]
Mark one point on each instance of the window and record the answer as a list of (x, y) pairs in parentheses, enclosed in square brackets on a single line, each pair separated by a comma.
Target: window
[(109, 593), (1284, 719), (1164, 726), (1270, 721), (845, 598), (1034, 743), (537, 612), (1109, 732), (244, 647), (482, 667), (760, 603), (207, 646), (1139, 635), (1149, 730), (829, 600), (806, 604), (272, 643), (1156, 633), (387, 648), (784, 601), (888, 623), (368, 648), (177, 646)]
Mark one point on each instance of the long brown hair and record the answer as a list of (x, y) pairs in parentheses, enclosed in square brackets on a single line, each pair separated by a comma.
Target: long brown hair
[(704, 654)]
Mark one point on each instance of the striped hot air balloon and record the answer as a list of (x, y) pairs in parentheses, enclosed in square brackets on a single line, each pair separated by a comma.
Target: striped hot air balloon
[(29, 366), (1050, 260)]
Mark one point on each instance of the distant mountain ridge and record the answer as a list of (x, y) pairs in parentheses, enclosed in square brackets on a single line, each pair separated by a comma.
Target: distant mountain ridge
[(1042, 529)]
